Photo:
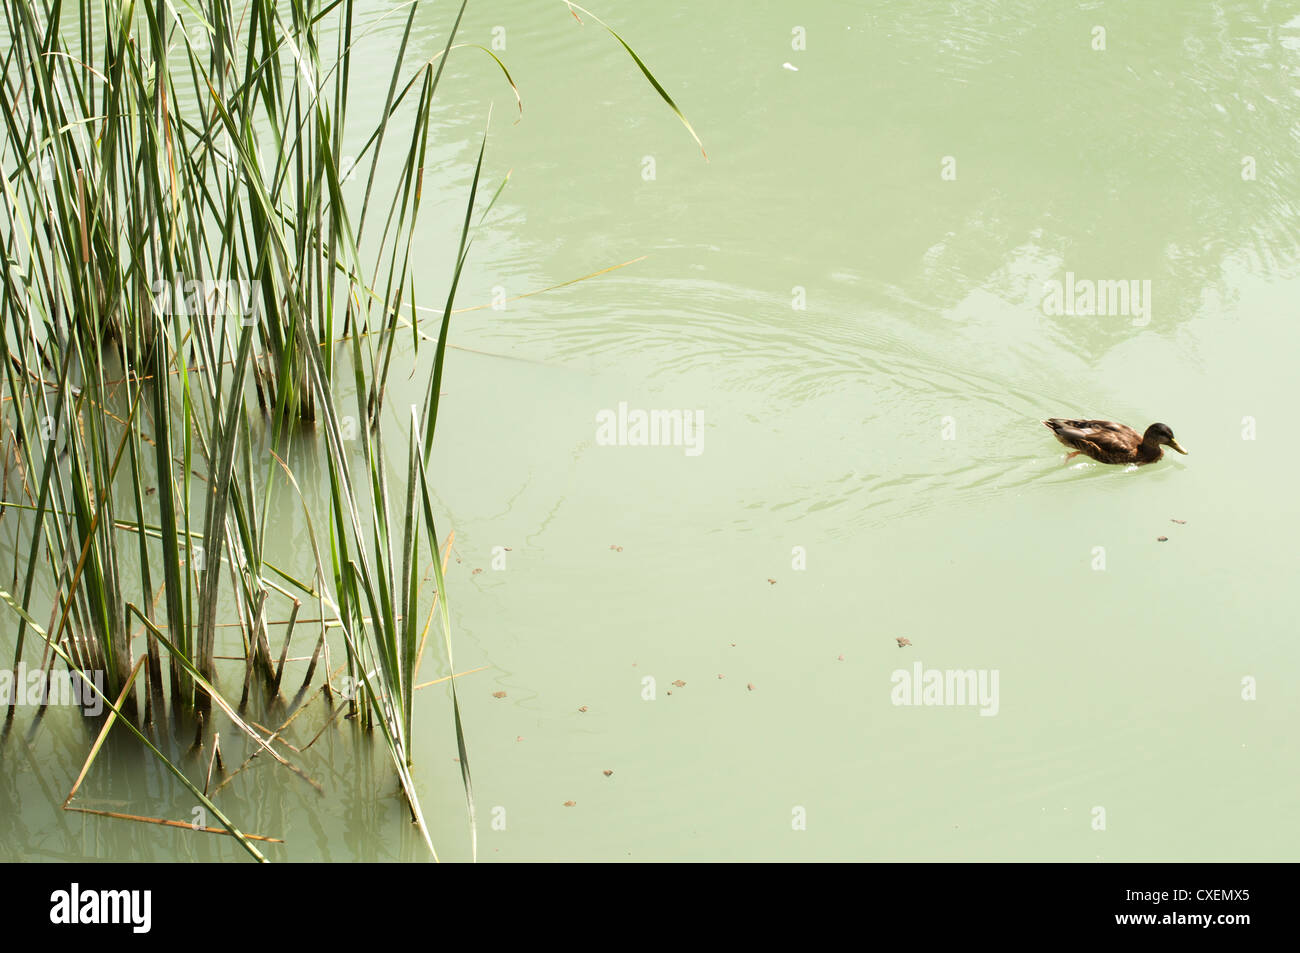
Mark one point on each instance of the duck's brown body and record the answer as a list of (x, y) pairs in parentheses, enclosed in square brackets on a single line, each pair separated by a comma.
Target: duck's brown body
[(1108, 442)]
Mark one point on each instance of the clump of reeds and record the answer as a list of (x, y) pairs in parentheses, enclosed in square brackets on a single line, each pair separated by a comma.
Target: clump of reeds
[(180, 262)]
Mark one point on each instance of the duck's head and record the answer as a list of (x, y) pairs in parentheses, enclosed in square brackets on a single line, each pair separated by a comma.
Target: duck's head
[(1161, 435)]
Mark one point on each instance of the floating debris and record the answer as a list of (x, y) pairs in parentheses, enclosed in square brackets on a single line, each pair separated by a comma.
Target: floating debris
[(1179, 522), (498, 694), (903, 641), (790, 66)]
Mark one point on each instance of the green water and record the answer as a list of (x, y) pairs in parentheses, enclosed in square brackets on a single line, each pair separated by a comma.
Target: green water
[(888, 429)]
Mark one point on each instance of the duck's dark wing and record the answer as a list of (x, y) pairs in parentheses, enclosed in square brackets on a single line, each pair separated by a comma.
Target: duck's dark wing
[(1094, 425), (1106, 436)]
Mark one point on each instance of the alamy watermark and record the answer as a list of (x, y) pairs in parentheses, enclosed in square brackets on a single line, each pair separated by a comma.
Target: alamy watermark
[(212, 297), (77, 906), (1084, 296), (651, 428), (39, 687), (953, 687)]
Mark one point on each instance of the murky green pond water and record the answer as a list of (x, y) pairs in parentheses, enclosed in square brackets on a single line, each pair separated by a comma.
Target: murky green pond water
[(848, 299)]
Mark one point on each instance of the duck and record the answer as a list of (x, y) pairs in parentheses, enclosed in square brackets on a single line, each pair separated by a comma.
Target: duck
[(1108, 442)]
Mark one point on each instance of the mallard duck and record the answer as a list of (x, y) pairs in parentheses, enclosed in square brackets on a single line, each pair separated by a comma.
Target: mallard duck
[(1109, 442)]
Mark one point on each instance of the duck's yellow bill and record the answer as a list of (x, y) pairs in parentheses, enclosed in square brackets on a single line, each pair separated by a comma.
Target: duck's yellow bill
[(1174, 444)]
